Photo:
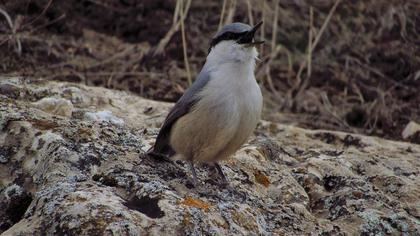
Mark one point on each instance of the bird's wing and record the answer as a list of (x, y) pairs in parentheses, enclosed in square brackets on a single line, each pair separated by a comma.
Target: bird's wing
[(162, 147)]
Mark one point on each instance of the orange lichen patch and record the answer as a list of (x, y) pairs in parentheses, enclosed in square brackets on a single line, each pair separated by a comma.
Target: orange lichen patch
[(197, 203), (261, 178), (357, 194)]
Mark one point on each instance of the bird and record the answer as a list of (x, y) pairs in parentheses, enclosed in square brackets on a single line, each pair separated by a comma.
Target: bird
[(220, 110)]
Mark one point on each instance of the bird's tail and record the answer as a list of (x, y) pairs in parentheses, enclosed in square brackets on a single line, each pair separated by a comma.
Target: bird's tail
[(157, 155)]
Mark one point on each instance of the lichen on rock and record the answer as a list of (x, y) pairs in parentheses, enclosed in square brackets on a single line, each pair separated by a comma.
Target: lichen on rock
[(69, 173)]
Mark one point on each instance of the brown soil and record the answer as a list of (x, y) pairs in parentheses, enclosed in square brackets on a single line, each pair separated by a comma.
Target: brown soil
[(365, 70)]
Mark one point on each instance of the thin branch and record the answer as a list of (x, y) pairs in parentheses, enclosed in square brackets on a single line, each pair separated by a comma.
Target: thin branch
[(184, 44), (274, 32), (314, 44), (326, 22), (8, 19), (310, 48), (48, 23), (39, 16), (165, 40), (329, 108), (262, 31), (249, 8), (13, 30), (176, 12), (274, 50), (222, 15), (231, 12)]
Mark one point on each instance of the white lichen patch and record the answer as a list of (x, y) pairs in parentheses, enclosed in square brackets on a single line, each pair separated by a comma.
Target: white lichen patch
[(104, 115), (13, 190)]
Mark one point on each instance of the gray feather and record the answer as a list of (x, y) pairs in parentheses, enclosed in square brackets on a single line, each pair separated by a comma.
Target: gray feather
[(181, 108), (236, 27)]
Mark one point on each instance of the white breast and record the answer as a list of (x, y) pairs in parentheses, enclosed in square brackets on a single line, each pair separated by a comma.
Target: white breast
[(233, 84), (228, 107), (233, 100)]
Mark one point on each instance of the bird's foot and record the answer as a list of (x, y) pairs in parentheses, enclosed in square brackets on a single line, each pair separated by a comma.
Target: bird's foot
[(224, 182), (195, 182), (194, 174), (216, 173)]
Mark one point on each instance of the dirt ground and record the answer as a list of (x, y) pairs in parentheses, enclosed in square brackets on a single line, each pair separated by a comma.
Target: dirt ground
[(351, 66)]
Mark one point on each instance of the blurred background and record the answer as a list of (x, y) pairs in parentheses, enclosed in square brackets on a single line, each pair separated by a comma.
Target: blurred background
[(350, 65)]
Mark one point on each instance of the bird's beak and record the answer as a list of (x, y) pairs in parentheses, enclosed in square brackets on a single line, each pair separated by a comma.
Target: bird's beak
[(247, 39)]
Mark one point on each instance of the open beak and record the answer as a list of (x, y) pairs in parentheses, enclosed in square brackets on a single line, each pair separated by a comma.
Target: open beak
[(248, 38)]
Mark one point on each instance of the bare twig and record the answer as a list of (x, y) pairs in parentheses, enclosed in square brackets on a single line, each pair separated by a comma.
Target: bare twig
[(249, 8), (325, 24), (274, 50), (222, 15), (329, 109), (262, 31), (310, 50), (266, 65), (8, 18), (231, 12), (39, 16), (165, 40), (274, 32), (48, 23), (270, 82), (176, 12), (116, 56), (13, 29), (184, 44)]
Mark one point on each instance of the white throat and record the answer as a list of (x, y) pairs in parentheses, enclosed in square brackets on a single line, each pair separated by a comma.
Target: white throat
[(231, 52)]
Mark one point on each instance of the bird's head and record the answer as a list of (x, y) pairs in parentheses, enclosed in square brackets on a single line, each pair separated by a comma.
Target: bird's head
[(235, 41)]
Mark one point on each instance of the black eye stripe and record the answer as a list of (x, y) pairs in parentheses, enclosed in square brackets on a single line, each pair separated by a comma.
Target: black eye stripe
[(226, 36), (230, 36)]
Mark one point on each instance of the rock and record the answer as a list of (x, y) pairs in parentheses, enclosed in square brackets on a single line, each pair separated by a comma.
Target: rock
[(79, 175), (3, 158), (411, 129), (14, 200), (75, 95), (11, 90), (56, 106)]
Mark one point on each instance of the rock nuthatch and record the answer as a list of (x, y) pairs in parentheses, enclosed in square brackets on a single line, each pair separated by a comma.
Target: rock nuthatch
[(218, 113)]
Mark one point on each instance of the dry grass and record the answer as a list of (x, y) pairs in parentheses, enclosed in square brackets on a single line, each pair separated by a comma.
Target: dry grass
[(13, 36)]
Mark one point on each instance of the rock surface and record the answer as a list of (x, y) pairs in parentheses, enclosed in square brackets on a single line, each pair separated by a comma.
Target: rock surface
[(69, 172)]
